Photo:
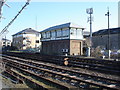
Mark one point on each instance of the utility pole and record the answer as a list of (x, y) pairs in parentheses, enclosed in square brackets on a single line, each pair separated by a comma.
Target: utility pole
[(90, 11), (2, 3), (6, 27), (108, 14)]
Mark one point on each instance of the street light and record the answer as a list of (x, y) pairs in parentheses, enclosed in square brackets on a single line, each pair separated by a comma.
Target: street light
[(90, 11), (108, 14)]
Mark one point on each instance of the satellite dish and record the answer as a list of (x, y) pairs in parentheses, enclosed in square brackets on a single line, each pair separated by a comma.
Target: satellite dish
[(89, 11)]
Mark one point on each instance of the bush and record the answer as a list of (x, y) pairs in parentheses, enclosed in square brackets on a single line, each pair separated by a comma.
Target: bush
[(96, 52)]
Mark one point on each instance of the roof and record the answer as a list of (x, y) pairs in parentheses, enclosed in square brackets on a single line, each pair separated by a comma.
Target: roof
[(105, 31), (66, 25), (86, 33), (5, 39), (27, 31)]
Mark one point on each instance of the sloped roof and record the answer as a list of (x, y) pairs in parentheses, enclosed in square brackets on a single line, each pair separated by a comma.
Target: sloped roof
[(66, 25), (3, 39), (27, 31), (105, 31)]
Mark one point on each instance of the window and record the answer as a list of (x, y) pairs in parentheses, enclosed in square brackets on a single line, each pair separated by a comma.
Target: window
[(3, 42), (79, 32), (8, 43), (43, 35), (59, 33), (65, 32), (37, 41), (24, 38), (53, 34), (48, 34), (24, 45), (73, 31)]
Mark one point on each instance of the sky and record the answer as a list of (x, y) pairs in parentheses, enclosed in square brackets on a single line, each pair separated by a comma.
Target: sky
[(40, 14)]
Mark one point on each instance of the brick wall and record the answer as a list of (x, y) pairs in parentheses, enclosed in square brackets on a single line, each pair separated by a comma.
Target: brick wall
[(76, 47), (102, 40), (61, 47), (55, 47)]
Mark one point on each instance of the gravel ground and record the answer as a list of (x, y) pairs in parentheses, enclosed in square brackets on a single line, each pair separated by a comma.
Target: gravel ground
[(86, 71), (6, 84), (98, 73)]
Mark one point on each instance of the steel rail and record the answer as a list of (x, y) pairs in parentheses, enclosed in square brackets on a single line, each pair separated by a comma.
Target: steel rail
[(22, 64)]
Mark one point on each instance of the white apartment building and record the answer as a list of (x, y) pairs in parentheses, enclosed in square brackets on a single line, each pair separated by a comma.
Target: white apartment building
[(6, 42), (26, 39)]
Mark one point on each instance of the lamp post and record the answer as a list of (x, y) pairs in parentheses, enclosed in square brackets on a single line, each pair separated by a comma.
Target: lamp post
[(108, 14), (90, 12)]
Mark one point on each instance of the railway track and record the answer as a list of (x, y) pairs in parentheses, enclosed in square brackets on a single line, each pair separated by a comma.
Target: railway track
[(37, 80), (104, 66), (61, 73), (25, 75)]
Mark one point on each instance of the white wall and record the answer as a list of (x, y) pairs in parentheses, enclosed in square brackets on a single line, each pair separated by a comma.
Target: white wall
[(76, 33), (28, 35)]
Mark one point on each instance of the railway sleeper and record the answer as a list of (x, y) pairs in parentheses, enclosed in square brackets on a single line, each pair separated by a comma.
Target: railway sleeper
[(50, 81)]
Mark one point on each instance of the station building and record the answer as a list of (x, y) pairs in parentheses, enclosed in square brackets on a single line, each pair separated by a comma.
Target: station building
[(26, 39), (62, 39), (100, 38)]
